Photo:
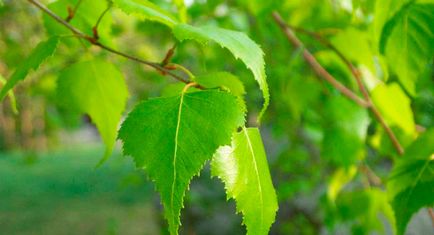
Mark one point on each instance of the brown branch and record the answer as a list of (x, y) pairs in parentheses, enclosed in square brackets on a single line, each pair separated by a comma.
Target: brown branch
[(357, 75), (319, 70), (95, 42), (366, 102)]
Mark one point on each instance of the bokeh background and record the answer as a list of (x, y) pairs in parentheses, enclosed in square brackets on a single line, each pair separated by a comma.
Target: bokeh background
[(49, 182)]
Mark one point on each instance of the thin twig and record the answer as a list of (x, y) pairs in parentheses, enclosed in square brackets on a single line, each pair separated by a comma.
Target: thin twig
[(319, 70), (95, 28), (183, 69), (357, 75), (366, 102), (94, 41)]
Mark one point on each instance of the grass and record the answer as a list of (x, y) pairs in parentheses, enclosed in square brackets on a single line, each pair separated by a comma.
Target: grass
[(63, 193)]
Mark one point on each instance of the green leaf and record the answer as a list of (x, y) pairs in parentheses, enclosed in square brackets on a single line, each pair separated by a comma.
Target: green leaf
[(411, 183), (85, 18), (243, 168), (13, 101), (225, 81), (395, 107), (408, 42), (42, 51), (147, 10), (97, 88), (345, 130), (237, 43), (171, 138)]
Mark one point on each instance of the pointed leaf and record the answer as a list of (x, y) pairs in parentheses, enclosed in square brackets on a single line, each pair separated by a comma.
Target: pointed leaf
[(243, 168), (171, 138), (146, 10), (98, 89), (241, 46), (411, 182), (42, 51)]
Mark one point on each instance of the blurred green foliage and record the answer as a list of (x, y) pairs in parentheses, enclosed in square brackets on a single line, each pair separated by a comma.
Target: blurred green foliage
[(314, 137)]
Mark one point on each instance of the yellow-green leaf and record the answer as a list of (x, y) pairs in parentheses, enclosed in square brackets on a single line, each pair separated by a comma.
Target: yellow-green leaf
[(244, 170), (395, 107)]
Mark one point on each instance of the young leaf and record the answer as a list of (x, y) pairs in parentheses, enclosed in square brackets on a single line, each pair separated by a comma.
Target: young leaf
[(411, 183), (97, 88), (407, 41), (237, 43), (243, 168), (146, 10), (42, 51), (171, 138)]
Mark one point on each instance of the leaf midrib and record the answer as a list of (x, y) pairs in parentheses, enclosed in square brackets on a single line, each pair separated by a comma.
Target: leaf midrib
[(175, 152), (257, 175)]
